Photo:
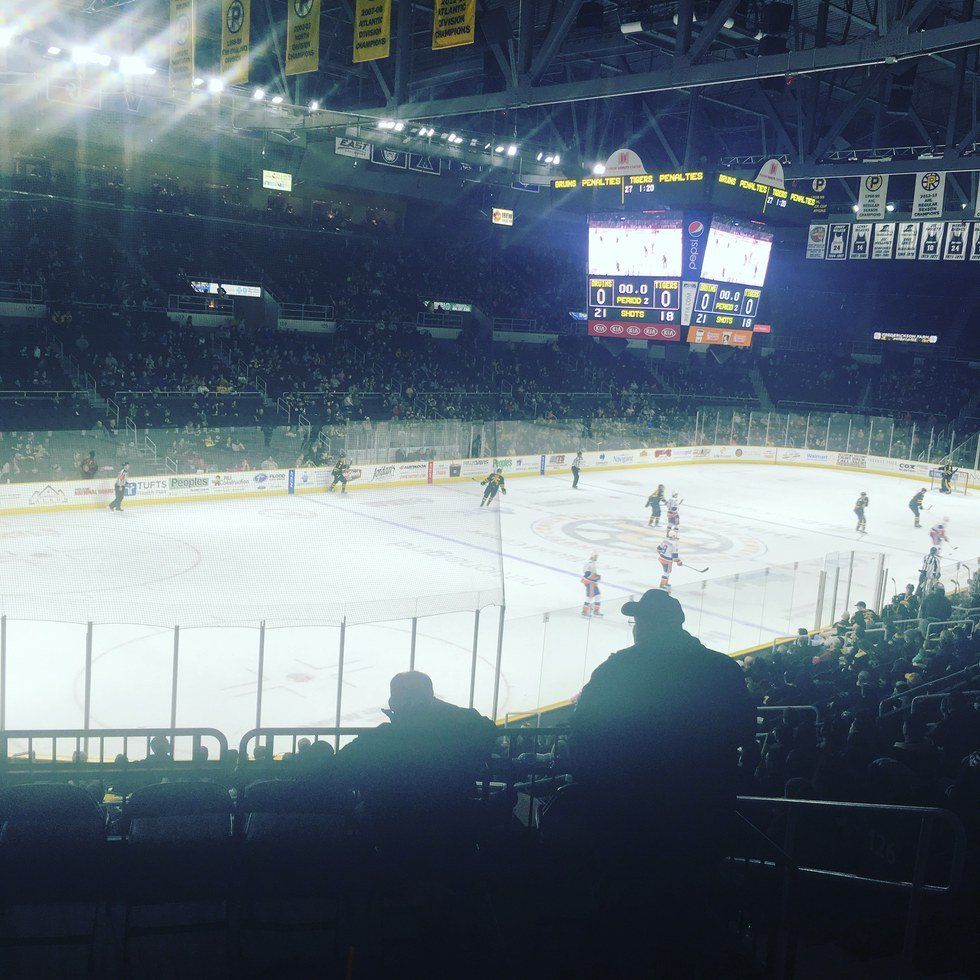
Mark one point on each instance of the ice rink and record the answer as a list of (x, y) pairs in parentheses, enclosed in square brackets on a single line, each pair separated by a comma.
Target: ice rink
[(378, 557)]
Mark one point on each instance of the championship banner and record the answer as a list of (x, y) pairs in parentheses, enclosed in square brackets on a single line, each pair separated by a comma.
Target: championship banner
[(837, 249), (819, 188), (372, 30), (931, 241), (956, 235), (884, 240), (928, 199), (236, 30), (816, 241), (302, 37), (873, 196), (907, 240), (860, 240), (453, 23), (975, 247), (181, 45)]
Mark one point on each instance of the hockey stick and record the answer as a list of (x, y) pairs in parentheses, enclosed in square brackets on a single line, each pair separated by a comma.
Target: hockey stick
[(700, 571)]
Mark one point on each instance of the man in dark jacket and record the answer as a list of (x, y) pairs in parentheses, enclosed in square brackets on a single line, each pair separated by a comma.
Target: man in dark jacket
[(418, 770), (654, 742), (659, 723)]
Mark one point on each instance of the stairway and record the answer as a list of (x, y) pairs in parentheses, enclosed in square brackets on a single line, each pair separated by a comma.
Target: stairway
[(759, 387)]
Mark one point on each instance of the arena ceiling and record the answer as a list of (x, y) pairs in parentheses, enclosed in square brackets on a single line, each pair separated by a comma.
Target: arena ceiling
[(819, 83)]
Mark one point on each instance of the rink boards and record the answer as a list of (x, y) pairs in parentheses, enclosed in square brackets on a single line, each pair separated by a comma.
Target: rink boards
[(20, 498)]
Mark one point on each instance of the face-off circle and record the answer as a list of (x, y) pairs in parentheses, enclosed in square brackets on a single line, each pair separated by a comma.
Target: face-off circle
[(636, 538)]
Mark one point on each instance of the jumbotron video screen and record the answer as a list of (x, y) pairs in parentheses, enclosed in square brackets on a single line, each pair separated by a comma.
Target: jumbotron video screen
[(650, 277)]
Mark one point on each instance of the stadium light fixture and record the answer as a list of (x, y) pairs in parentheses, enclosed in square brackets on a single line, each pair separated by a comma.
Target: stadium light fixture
[(557, 160), (540, 155), (512, 150), (314, 105), (54, 51), (277, 100), (452, 137), (498, 149), (549, 159), (399, 126), (889, 206), (258, 94), (215, 85), (198, 82), (599, 169), (855, 208), (486, 146), (6, 37)]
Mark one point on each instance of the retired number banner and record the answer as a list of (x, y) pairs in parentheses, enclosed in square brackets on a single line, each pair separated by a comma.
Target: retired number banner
[(453, 23), (236, 29), (181, 45), (372, 30), (302, 36)]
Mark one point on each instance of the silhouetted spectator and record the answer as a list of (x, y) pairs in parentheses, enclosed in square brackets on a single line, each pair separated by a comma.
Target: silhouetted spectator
[(418, 769)]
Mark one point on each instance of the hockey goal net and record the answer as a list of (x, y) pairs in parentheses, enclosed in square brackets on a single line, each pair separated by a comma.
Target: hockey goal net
[(958, 484)]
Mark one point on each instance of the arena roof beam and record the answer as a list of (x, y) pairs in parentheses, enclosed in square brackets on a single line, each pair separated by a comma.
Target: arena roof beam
[(711, 29), (552, 42), (857, 100), (659, 133), (775, 118), (896, 46)]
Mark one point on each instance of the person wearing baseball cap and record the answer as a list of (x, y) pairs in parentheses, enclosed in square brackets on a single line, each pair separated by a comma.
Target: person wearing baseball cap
[(654, 742)]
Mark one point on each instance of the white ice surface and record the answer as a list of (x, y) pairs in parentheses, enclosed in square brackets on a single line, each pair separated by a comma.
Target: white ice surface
[(219, 567)]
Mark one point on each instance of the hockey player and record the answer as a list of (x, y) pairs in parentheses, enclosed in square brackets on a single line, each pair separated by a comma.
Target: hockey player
[(658, 497), (937, 535), (859, 508), (674, 515), (120, 489), (577, 468), (667, 555), (915, 505), (339, 473), (946, 475), (592, 605), (929, 573), (493, 483)]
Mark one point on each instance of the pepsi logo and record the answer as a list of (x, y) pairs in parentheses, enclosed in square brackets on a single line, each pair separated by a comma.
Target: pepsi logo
[(695, 228)]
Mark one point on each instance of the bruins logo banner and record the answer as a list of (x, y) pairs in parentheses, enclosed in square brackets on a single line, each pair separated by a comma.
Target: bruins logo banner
[(302, 36), (453, 23), (372, 30), (236, 23), (181, 45)]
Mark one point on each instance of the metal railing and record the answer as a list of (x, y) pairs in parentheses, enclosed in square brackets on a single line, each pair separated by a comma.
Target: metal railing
[(949, 682), (38, 758), (313, 312)]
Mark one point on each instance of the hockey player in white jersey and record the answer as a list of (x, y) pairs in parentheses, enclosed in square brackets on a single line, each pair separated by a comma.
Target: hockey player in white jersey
[(667, 555)]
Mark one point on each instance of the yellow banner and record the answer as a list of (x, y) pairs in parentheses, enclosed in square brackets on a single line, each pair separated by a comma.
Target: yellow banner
[(303, 36), (372, 30), (181, 45), (236, 30), (453, 23)]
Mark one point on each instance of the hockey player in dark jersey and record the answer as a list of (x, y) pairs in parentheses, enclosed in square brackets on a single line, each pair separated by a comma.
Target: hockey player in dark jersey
[(946, 475), (493, 483), (915, 505), (859, 508), (654, 501), (339, 473)]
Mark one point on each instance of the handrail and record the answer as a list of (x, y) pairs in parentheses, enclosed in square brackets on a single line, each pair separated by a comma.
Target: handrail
[(949, 622), (950, 819), (966, 672), (938, 697), (100, 735), (773, 709)]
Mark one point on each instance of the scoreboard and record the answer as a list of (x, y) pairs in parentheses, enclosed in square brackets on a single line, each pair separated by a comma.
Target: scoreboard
[(718, 304), (650, 277)]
